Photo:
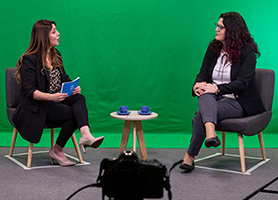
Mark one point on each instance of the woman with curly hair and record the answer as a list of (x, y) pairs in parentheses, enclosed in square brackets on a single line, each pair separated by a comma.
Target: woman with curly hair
[(225, 85)]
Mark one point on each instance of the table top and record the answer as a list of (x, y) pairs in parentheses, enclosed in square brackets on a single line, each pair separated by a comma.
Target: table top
[(134, 116)]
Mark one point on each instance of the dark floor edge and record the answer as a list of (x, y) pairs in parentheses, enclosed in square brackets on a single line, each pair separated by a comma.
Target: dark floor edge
[(262, 190)]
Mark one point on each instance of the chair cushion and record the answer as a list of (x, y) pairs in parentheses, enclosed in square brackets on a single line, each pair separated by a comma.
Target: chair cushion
[(10, 112), (247, 125)]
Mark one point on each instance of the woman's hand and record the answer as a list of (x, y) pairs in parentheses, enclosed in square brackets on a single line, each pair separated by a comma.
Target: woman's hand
[(197, 88), (204, 88), (43, 96), (209, 88), (58, 97), (77, 90)]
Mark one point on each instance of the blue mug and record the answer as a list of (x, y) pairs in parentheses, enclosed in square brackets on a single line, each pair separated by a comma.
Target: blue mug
[(123, 109), (145, 109)]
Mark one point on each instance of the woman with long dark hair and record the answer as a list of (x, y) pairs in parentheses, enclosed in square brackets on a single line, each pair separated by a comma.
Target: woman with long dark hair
[(225, 85), (41, 73)]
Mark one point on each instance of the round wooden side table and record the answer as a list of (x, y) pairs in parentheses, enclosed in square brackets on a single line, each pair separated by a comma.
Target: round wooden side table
[(134, 118)]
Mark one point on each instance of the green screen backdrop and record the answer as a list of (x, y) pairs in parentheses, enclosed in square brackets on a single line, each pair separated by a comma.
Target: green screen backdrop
[(134, 53)]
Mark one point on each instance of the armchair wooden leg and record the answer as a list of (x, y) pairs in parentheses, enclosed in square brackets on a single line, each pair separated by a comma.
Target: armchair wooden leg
[(52, 132), (241, 152), (260, 135), (223, 139), (30, 151), (77, 148), (13, 142)]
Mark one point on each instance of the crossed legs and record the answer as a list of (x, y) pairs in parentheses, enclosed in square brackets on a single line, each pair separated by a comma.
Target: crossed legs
[(70, 114), (211, 110)]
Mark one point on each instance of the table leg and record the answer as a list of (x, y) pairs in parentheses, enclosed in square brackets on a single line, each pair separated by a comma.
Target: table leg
[(134, 137), (125, 135), (141, 141)]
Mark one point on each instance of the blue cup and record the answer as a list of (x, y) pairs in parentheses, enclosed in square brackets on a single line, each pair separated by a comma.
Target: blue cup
[(123, 109), (145, 109)]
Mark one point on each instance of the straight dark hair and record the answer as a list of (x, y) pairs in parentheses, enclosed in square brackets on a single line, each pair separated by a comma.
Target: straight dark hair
[(39, 45)]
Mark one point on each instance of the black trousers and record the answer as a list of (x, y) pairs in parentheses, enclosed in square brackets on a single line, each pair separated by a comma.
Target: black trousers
[(211, 109), (69, 114)]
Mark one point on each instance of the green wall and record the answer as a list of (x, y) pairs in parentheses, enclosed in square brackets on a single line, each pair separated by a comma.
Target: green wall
[(134, 52)]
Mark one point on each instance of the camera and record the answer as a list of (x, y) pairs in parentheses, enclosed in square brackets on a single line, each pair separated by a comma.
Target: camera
[(127, 177)]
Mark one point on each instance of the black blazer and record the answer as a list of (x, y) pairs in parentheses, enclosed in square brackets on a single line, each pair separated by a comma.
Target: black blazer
[(30, 115), (242, 83)]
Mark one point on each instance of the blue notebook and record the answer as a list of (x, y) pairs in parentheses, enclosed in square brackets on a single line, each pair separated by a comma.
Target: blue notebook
[(68, 87)]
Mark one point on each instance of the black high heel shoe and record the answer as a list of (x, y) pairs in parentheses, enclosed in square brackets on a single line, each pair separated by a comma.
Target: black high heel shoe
[(186, 167), (212, 142)]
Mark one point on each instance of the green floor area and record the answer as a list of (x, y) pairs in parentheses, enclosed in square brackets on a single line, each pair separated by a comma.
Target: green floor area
[(113, 140)]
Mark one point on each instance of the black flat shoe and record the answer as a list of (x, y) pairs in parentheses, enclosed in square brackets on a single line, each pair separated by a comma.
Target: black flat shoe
[(212, 142), (186, 167)]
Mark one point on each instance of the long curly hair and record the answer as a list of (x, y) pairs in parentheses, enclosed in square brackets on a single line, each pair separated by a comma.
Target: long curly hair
[(40, 45), (236, 36)]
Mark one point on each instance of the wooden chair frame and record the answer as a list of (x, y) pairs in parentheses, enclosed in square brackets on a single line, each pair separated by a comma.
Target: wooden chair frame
[(241, 148), (31, 145)]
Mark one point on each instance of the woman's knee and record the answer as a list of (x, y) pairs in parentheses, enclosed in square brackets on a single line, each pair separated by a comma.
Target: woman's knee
[(77, 98), (207, 97)]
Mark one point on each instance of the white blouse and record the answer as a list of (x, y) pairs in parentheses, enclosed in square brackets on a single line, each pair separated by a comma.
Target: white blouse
[(222, 72)]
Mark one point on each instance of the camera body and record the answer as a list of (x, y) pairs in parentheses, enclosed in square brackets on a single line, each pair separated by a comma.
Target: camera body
[(127, 177)]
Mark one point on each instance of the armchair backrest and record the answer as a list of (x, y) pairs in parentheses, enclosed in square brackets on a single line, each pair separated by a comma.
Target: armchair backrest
[(13, 89), (13, 93), (265, 82)]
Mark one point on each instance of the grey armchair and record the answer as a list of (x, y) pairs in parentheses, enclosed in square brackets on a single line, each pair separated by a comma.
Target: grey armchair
[(13, 97), (255, 124)]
